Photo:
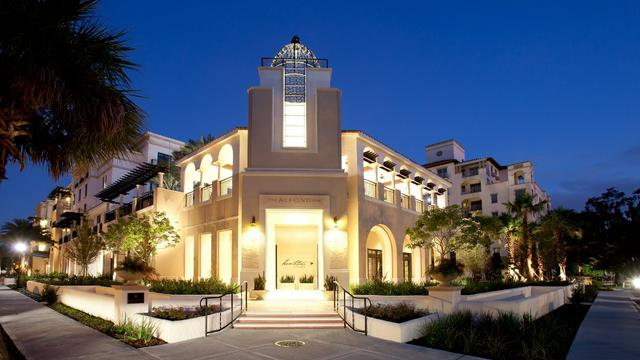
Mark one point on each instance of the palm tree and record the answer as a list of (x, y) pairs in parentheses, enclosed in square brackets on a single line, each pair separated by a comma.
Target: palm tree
[(558, 226), (525, 207), (65, 95), (192, 145), (18, 230), (510, 232)]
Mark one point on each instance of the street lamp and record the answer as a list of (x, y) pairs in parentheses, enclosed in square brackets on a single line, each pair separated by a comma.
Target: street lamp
[(20, 247)]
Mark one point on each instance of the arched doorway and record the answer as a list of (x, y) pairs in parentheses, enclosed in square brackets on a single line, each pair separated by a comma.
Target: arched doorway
[(380, 252)]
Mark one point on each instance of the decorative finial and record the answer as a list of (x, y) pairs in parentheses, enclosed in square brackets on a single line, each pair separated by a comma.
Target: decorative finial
[(295, 39)]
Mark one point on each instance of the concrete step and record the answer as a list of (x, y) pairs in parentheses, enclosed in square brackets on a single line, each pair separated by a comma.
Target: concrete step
[(282, 320)]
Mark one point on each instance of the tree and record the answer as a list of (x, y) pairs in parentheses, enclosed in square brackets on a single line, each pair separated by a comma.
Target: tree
[(65, 96), (446, 230), (192, 145), (510, 233), (610, 225), (524, 207), (85, 248), (557, 228), (19, 230), (141, 236)]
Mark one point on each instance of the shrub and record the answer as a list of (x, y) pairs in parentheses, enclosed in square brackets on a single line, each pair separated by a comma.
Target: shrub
[(287, 279), (382, 287), (64, 279), (474, 287), (134, 265), (587, 294), (506, 336), (49, 294), (259, 282), (329, 282), (306, 279), (397, 313), (143, 332), (181, 313), (447, 267), (185, 287)]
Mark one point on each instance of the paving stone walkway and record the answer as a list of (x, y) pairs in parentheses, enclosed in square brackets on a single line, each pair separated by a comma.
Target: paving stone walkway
[(611, 329), (41, 333)]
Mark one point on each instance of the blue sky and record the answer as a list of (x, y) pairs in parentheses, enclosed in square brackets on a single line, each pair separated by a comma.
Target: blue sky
[(557, 83)]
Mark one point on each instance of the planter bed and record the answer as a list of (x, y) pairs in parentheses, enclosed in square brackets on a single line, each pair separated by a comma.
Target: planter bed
[(102, 325), (387, 330), (173, 331)]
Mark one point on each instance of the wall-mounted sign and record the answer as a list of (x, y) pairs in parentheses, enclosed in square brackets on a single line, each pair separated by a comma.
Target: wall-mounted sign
[(297, 263), (135, 298)]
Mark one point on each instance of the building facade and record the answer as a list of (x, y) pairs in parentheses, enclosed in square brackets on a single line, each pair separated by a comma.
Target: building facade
[(482, 184)]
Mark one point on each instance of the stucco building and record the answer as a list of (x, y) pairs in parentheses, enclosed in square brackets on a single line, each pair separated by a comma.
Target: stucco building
[(482, 184)]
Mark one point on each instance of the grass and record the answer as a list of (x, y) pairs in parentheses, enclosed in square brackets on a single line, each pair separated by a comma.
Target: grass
[(506, 336), (136, 335), (190, 287), (397, 313), (381, 287), (174, 313)]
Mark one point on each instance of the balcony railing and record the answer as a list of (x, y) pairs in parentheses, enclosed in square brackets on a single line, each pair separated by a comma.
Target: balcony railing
[(389, 195), (145, 200), (404, 201), (475, 207), (188, 199), (205, 193), (470, 172), (370, 188), (126, 209), (472, 189), (110, 216), (419, 206), (226, 186)]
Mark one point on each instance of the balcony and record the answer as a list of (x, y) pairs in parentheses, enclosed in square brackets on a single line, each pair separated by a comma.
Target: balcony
[(188, 199), (389, 195), (472, 189), (206, 192), (404, 201), (126, 209), (370, 188), (470, 172), (145, 200), (226, 186), (419, 206), (109, 216)]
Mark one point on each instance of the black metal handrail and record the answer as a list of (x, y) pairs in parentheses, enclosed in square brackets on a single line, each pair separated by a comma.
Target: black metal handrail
[(336, 307), (244, 308)]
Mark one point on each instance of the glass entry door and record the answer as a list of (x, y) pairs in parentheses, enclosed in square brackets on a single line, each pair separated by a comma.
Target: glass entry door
[(296, 257)]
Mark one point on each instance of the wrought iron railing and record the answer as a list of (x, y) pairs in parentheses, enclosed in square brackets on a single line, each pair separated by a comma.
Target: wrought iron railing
[(419, 205), (244, 304), (110, 216), (188, 199), (404, 201), (205, 193), (370, 188), (389, 195), (226, 186), (353, 302), (125, 209), (145, 200)]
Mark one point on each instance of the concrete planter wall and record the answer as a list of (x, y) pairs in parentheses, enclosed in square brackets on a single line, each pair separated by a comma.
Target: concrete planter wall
[(387, 330), (180, 330), (92, 300), (9, 281), (534, 300)]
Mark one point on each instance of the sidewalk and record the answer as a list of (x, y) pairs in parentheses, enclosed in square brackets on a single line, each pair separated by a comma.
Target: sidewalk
[(611, 329), (41, 333)]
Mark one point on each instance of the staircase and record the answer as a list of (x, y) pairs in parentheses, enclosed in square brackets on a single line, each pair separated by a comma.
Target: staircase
[(289, 320)]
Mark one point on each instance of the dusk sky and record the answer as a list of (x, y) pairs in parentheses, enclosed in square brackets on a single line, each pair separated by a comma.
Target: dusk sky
[(557, 83)]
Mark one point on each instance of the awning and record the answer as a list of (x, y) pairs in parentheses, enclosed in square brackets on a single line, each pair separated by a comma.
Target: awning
[(138, 176)]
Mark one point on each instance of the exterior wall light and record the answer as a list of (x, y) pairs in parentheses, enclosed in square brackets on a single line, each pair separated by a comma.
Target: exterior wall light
[(252, 235), (636, 282), (20, 247)]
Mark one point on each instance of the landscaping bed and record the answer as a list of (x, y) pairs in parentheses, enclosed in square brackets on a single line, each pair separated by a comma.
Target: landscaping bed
[(136, 335), (190, 287), (506, 336), (476, 287), (62, 279), (174, 313), (379, 287), (397, 313)]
